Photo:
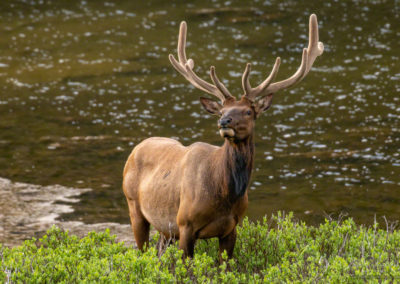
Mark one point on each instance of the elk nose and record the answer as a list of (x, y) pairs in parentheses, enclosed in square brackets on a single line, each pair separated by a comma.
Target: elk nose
[(225, 121)]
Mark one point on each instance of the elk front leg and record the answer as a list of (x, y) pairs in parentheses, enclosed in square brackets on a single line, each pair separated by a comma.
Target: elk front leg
[(227, 243), (140, 226), (186, 240)]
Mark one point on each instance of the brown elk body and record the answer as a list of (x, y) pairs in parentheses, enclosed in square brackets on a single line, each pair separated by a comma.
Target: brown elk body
[(200, 191)]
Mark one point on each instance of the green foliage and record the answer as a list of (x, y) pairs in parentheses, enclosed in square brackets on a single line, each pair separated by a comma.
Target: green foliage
[(278, 249)]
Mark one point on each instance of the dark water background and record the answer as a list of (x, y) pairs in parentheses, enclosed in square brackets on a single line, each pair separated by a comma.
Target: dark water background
[(83, 82)]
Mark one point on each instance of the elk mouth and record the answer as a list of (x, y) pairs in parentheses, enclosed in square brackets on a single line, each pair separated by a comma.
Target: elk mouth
[(226, 132)]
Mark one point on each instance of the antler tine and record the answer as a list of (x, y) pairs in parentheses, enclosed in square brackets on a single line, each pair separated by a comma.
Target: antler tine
[(245, 80), (295, 78), (182, 42), (314, 49), (218, 84), (185, 67), (252, 93)]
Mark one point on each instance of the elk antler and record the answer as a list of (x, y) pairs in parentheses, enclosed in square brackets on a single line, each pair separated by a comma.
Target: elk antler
[(314, 49), (185, 67)]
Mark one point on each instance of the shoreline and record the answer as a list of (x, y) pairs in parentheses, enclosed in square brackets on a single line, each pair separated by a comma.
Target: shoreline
[(29, 210)]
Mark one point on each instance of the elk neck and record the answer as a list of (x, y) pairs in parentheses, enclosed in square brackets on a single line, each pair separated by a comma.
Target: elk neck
[(235, 166)]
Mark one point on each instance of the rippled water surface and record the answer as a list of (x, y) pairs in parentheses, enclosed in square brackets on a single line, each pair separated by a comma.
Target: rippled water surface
[(83, 82)]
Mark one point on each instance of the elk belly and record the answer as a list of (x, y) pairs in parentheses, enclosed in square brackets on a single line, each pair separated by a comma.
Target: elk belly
[(163, 223), (160, 208)]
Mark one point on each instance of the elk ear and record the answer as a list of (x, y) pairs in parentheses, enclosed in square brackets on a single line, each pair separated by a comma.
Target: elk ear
[(211, 106), (263, 104)]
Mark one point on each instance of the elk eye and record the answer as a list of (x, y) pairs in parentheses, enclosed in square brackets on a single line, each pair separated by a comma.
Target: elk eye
[(248, 112)]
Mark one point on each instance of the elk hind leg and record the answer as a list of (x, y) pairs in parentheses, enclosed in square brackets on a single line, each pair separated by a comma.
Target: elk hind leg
[(140, 226)]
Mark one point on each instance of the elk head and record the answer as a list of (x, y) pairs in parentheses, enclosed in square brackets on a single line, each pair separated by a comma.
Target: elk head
[(237, 117)]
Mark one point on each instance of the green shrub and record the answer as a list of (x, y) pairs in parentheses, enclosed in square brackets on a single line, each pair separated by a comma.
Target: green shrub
[(278, 249)]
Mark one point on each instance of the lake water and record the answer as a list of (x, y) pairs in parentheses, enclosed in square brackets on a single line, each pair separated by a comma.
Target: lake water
[(83, 82)]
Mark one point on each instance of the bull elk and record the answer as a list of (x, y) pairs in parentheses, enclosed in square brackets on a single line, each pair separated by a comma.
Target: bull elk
[(200, 191)]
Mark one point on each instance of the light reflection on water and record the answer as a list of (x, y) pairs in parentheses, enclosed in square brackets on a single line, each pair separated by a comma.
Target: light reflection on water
[(82, 83)]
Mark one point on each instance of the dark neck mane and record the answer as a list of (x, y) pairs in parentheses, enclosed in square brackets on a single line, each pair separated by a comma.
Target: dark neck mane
[(237, 161)]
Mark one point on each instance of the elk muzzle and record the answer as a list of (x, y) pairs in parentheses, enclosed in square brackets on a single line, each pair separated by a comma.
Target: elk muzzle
[(225, 129)]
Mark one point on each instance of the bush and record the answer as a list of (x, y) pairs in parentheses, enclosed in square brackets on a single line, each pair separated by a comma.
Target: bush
[(278, 249)]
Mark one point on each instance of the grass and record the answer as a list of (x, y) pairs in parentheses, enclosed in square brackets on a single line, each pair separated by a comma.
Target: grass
[(276, 249)]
